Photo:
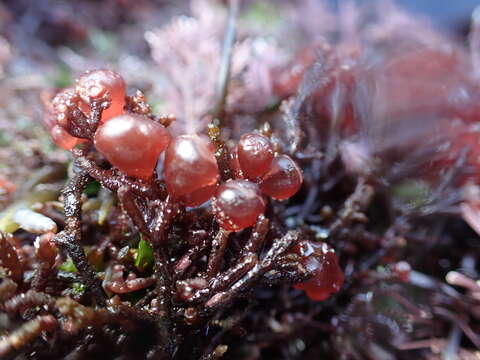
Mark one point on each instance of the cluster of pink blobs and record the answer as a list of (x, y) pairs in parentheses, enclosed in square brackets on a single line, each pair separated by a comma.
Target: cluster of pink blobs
[(192, 176), (92, 85), (130, 142), (133, 143), (190, 169), (258, 172)]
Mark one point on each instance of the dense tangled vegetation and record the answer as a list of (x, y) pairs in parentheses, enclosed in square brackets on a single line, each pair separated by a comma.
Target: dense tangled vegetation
[(287, 203)]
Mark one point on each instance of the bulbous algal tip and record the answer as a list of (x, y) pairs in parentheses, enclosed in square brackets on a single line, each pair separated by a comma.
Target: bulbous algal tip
[(238, 204), (132, 143)]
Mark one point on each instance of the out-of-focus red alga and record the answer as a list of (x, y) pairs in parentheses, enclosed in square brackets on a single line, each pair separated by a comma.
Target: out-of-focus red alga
[(6, 185)]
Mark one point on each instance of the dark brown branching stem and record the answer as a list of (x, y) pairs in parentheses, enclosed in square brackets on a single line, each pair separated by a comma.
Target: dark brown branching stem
[(217, 251), (154, 225), (259, 232), (69, 239), (224, 286), (40, 277), (83, 126), (30, 299), (210, 352), (163, 272), (112, 180), (26, 333), (127, 200), (353, 206), (153, 222), (234, 273), (279, 246), (190, 256)]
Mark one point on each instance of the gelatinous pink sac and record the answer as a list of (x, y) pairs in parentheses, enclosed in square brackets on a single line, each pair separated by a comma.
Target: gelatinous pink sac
[(61, 103), (283, 179), (237, 204), (320, 259), (63, 139), (55, 119), (200, 196), (190, 169), (132, 143), (94, 84), (255, 154), (59, 135)]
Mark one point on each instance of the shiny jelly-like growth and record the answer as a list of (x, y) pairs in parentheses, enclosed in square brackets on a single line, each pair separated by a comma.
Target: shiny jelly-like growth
[(255, 154), (61, 105), (237, 204), (93, 85), (283, 179), (132, 143), (56, 119), (62, 138), (190, 169), (319, 259)]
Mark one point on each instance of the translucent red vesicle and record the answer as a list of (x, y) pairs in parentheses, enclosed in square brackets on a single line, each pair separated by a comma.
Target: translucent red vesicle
[(132, 143), (61, 104), (56, 119), (190, 169), (96, 83), (237, 204), (255, 154), (199, 196), (319, 259), (63, 139), (283, 179)]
